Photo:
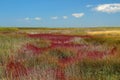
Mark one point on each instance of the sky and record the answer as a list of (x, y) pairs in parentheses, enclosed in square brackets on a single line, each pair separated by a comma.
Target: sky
[(59, 13)]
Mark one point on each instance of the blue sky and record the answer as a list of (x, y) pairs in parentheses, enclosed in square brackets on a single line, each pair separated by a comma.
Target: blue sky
[(59, 13)]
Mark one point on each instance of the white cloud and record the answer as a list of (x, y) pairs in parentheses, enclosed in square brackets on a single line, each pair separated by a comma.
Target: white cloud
[(108, 8), (65, 17), (27, 18), (78, 15), (37, 18), (55, 17), (88, 6)]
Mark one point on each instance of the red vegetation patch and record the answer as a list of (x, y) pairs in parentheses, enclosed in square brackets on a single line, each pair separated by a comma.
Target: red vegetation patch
[(59, 41), (67, 45), (57, 38), (60, 75), (112, 52), (30, 49), (66, 61), (15, 69), (95, 54), (53, 36)]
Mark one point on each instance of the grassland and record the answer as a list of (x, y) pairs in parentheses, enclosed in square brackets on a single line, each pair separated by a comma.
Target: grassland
[(60, 53)]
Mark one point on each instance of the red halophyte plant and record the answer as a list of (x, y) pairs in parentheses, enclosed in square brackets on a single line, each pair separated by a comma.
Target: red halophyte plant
[(95, 54), (33, 48), (57, 38), (59, 74), (15, 69), (30, 49), (66, 61), (113, 50), (55, 35), (67, 45)]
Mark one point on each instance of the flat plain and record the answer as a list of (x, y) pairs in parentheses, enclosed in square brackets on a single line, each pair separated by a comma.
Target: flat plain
[(60, 53)]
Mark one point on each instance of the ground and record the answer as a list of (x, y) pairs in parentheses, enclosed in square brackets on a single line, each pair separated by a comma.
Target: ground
[(59, 53)]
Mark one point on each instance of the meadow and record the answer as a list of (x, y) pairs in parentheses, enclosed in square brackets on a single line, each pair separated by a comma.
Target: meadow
[(60, 53)]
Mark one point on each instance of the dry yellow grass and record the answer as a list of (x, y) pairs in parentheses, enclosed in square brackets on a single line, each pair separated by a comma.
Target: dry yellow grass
[(117, 32)]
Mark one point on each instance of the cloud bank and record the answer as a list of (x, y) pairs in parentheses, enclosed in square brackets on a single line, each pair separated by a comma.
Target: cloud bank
[(108, 8)]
